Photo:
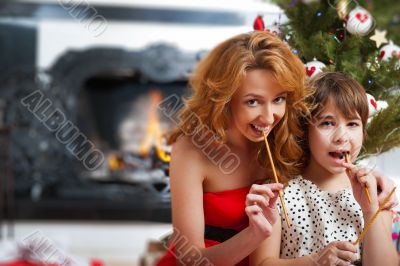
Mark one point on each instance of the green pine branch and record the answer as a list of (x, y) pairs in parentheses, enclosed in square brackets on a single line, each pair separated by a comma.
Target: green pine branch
[(383, 130)]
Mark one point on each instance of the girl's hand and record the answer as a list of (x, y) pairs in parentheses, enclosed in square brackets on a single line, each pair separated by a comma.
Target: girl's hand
[(261, 208), (361, 177), (386, 185), (336, 253)]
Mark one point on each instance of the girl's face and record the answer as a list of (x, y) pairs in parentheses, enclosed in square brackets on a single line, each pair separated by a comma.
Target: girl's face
[(331, 135), (259, 104)]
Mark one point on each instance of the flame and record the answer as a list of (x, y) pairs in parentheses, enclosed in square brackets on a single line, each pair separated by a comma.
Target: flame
[(153, 131), (114, 162)]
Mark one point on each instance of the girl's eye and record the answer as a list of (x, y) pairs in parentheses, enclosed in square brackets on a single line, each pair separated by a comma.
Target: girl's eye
[(353, 124), (280, 99), (252, 102), (326, 123)]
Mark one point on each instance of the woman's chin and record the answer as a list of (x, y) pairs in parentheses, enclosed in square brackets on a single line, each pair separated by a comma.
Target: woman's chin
[(255, 139), (250, 135)]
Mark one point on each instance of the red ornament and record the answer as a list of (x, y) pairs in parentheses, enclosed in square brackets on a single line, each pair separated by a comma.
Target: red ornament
[(96, 262), (259, 23), (340, 34), (310, 70), (382, 54)]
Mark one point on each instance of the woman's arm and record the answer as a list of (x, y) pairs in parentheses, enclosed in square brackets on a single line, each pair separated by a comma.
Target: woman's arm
[(378, 248), (385, 184), (186, 179)]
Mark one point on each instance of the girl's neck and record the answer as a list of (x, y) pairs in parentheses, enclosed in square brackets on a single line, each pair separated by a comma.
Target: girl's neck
[(325, 180)]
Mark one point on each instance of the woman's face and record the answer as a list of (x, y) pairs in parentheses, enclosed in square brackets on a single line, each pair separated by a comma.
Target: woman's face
[(331, 135), (258, 105)]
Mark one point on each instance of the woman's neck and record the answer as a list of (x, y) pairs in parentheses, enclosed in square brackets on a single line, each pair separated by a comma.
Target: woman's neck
[(237, 140), (325, 180)]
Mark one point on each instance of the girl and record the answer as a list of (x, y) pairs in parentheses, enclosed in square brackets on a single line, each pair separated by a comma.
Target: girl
[(248, 84), (327, 204)]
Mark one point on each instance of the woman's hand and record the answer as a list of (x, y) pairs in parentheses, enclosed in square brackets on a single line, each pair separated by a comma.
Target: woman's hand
[(261, 208), (336, 253), (361, 177), (386, 186)]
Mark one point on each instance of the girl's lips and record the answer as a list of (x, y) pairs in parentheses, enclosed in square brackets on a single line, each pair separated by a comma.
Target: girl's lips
[(338, 157)]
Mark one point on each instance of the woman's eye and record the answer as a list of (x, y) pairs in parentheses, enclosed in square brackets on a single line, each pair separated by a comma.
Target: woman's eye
[(252, 102), (280, 99)]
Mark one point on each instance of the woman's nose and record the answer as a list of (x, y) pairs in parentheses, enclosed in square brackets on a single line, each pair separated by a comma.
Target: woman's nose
[(268, 114)]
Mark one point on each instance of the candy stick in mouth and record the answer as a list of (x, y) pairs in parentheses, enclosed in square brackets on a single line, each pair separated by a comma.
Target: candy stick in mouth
[(276, 179)]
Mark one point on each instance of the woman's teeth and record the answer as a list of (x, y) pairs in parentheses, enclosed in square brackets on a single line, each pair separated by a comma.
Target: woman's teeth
[(261, 129)]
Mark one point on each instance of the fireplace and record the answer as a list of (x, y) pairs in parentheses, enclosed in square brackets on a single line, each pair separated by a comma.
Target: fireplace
[(111, 97)]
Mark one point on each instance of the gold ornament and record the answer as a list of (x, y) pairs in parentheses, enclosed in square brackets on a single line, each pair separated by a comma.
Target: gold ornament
[(379, 37), (342, 9), (371, 66)]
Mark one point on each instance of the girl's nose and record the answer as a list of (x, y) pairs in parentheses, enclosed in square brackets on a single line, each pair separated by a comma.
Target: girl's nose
[(340, 135)]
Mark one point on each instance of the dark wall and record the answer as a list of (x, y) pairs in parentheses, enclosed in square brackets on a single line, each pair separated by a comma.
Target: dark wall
[(17, 45)]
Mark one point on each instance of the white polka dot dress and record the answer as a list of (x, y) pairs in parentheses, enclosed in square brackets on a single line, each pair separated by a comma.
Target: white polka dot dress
[(317, 218)]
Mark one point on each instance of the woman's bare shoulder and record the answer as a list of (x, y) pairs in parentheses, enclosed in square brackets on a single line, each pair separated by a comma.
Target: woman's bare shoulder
[(187, 163), (185, 147)]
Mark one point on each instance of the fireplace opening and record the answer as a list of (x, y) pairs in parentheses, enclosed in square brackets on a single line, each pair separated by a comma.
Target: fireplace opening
[(119, 113)]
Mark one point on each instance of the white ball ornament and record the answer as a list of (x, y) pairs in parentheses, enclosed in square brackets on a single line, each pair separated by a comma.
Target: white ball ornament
[(314, 67), (375, 106), (388, 51), (359, 21)]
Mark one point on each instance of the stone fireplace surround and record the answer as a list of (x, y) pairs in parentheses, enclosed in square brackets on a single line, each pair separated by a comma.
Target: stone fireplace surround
[(47, 179)]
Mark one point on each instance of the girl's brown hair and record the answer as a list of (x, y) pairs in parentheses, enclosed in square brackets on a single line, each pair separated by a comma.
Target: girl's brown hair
[(219, 75)]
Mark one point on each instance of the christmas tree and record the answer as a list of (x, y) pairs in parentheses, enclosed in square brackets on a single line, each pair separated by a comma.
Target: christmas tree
[(357, 38)]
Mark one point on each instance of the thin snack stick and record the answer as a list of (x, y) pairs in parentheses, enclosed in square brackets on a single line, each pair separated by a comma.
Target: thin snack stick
[(276, 179), (365, 187), (374, 217)]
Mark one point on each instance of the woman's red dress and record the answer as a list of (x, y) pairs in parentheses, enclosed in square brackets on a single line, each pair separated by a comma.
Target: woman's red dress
[(225, 209)]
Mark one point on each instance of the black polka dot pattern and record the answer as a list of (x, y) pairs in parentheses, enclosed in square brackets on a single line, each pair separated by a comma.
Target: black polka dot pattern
[(317, 218)]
